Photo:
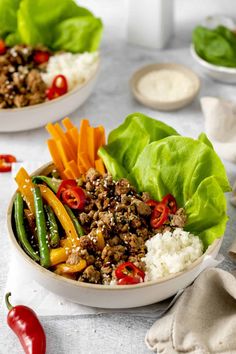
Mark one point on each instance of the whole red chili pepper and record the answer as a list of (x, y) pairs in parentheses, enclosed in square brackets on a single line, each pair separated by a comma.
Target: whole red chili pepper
[(24, 322)]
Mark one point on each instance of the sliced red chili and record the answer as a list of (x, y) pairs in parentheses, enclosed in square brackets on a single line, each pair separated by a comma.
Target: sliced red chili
[(6, 162), (128, 280), (170, 202), (65, 184), (60, 85), (3, 47), (152, 203), (51, 93), (74, 197), (128, 269), (41, 56), (159, 215)]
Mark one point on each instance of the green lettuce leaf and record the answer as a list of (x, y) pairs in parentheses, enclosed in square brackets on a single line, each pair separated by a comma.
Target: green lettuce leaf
[(37, 19), (204, 139), (8, 17), (78, 34), (177, 165), (126, 142), (217, 46), (206, 211)]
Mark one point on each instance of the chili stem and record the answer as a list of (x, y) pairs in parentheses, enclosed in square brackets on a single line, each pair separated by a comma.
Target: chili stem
[(20, 227), (7, 302)]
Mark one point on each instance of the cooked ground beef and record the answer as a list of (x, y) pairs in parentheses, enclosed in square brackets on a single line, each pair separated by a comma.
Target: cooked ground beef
[(20, 80), (117, 211)]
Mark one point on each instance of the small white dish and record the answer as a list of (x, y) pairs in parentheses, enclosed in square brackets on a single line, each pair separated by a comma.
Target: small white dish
[(107, 296), (219, 73), (165, 105), (36, 116)]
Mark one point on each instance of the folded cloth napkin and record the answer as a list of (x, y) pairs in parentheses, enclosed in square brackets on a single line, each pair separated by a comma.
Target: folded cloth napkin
[(220, 125), (202, 321)]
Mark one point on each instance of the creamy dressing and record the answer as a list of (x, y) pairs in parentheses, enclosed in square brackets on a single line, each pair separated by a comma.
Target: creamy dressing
[(165, 85)]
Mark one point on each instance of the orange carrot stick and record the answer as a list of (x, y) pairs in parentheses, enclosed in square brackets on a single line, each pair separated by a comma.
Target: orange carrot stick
[(52, 146), (69, 149), (68, 174), (100, 166), (83, 158), (62, 152), (67, 123), (71, 165), (91, 145)]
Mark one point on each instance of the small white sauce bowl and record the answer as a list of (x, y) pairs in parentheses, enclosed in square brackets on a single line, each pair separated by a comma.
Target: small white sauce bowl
[(165, 105), (219, 73), (106, 296), (31, 117)]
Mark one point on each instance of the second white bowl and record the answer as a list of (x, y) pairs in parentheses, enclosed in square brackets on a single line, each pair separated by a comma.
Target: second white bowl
[(31, 117)]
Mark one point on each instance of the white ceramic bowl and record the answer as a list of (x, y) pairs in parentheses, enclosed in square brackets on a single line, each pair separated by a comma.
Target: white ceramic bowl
[(31, 117), (219, 73), (107, 296)]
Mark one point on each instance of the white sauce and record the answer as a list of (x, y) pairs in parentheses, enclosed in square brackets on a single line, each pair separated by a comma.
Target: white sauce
[(165, 85)]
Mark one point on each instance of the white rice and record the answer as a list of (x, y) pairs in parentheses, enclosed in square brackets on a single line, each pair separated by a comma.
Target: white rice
[(77, 68), (170, 253)]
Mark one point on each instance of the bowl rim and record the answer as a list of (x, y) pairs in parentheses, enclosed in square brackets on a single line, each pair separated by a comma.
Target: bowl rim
[(206, 64), (76, 89), (75, 283), (136, 76)]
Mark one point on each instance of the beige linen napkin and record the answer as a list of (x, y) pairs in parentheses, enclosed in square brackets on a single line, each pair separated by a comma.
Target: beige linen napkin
[(203, 320)]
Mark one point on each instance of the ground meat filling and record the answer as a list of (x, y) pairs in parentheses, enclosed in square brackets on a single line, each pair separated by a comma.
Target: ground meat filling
[(117, 211), (122, 216), (20, 80)]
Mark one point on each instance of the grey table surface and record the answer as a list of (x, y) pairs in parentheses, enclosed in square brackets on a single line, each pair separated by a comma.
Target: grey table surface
[(110, 103)]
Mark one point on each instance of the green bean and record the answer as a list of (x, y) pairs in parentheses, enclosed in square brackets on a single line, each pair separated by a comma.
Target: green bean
[(20, 227), (52, 183), (78, 227), (41, 228), (52, 225)]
